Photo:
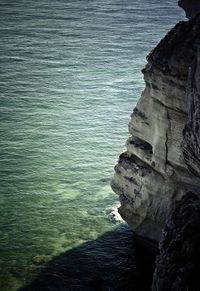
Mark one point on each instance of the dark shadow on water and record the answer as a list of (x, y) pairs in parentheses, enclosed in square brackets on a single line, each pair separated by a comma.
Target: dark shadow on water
[(111, 262)]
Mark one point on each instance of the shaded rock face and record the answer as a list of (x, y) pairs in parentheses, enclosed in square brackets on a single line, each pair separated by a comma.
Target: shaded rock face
[(151, 175), (191, 7), (177, 266), (191, 133)]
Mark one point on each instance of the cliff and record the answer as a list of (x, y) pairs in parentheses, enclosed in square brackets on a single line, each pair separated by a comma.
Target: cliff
[(151, 174), (191, 7), (177, 266)]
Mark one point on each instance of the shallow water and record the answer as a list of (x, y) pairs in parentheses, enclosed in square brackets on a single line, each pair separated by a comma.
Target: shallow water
[(70, 77)]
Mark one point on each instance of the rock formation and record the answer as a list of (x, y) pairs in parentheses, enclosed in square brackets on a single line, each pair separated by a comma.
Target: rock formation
[(151, 174), (177, 266), (191, 133), (191, 7)]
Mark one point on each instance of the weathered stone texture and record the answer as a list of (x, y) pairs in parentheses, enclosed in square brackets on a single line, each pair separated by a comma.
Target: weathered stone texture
[(151, 175), (177, 266), (191, 133)]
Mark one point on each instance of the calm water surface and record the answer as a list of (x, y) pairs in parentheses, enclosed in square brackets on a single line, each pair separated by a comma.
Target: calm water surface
[(70, 77)]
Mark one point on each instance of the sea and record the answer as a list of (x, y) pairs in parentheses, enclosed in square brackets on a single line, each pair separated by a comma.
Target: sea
[(70, 78)]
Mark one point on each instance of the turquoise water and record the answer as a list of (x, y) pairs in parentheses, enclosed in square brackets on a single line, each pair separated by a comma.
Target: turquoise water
[(70, 77)]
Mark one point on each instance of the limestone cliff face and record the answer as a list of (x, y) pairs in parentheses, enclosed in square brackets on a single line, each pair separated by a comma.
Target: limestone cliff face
[(177, 265), (191, 133), (151, 175)]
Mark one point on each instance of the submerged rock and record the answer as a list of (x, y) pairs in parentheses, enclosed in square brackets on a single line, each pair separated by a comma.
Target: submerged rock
[(152, 175), (40, 259)]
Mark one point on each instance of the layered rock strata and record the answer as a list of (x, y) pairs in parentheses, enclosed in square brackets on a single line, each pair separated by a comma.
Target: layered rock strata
[(191, 133), (177, 266), (151, 174)]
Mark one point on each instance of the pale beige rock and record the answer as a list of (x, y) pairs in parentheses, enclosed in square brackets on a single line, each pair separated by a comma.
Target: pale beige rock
[(151, 174)]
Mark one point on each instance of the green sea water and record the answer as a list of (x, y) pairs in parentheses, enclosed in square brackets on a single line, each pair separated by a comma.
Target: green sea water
[(70, 78)]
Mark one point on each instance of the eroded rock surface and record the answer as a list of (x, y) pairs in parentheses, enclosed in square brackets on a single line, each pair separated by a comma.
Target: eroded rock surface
[(151, 175), (191, 133), (177, 266)]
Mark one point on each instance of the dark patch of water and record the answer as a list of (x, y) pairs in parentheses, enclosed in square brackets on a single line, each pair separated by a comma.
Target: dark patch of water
[(111, 262)]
